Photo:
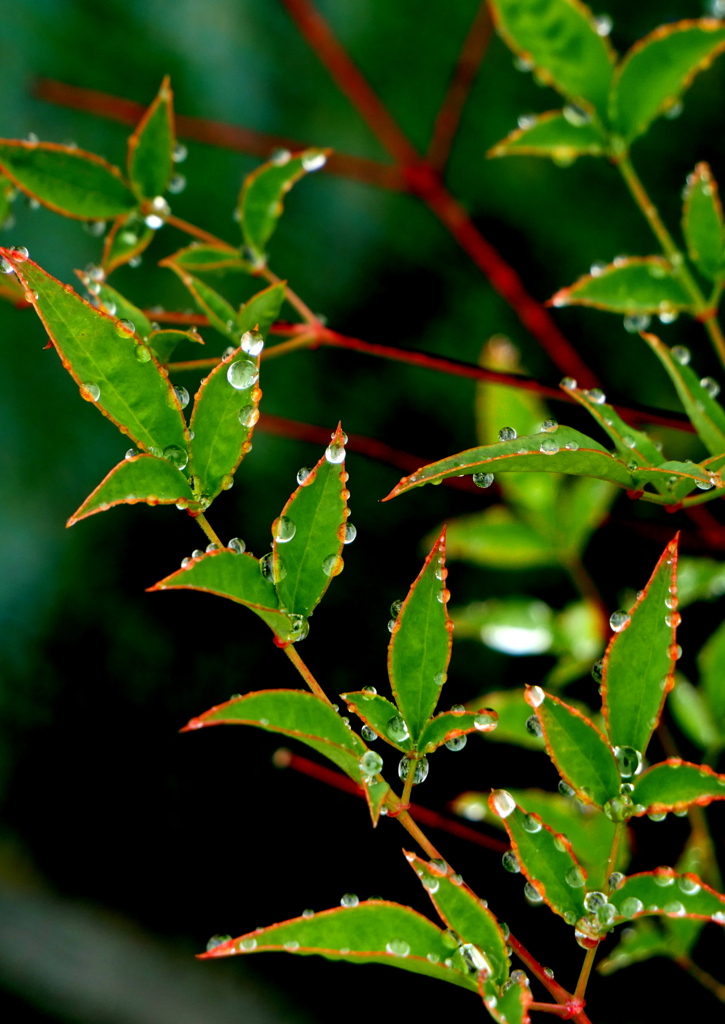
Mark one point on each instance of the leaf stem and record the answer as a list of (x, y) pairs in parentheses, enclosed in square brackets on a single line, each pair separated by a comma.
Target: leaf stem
[(421, 839), (408, 785), (581, 985), (200, 233), (613, 852), (303, 670), (206, 527), (703, 312)]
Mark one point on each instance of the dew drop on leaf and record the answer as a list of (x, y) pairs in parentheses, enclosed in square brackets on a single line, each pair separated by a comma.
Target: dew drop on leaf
[(182, 394), (398, 947), (125, 328), (618, 620), (574, 878), (507, 434), (242, 374), (371, 763), (483, 479), (531, 823), (503, 803), (335, 453), (91, 392), (283, 529), (510, 862), (681, 354), (532, 894), (252, 343), (711, 386), (176, 456), (302, 474), (237, 545), (485, 721), (457, 742), (397, 729), (597, 396), (565, 789), (636, 322), (533, 726), (333, 565), (349, 900), (420, 773), (549, 446), (217, 940), (368, 734)]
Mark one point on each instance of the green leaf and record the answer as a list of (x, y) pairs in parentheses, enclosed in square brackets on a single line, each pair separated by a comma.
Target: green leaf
[(513, 713), (496, 539), (236, 576), (706, 415), (165, 341), (222, 422), (699, 579), (210, 259), (359, 935), (137, 396), (640, 660), (664, 891), (260, 312), (675, 784), (545, 857), (512, 625), (691, 710), (116, 305), (420, 645), (128, 238), (632, 444), (377, 713), (582, 507), (220, 313), (151, 147), (261, 198), (640, 942), (679, 478), (583, 457), (631, 285), (580, 753), (510, 1007), (143, 478), (451, 724), (376, 793), (309, 534), (464, 914), (658, 69), (295, 713), (7, 193), (577, 641), (702, 222), (711, 662), (559, 38), (552, 135), (67, 180)]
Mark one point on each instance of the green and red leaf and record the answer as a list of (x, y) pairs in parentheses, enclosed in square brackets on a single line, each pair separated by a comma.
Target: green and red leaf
[(702, 222), (551, 135), (200, 258), (664, 891), (128, 237), (632, 444), (449, 725), (377, 713), (151, 147), (675, 784), (220, 313), (143, 478), (164, 342), (260, 312), (631, 285)]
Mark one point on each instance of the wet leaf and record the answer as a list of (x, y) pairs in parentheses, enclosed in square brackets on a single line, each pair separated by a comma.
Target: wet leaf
[(512, 625), (164, 342), (420, 646), (513, 713), (634, 284), (711, 662), (67, 180), (690, 708), (699, 579), (551, 135), (199, 258), (675, 784), (658, 69), (294, 713), (223, 421), (632, 444), (137, 396), (465, 915), (220, 313), (260, 312), (448, 725), (117, 305), (702, 222), (583, 505), (677, 478), (580, 753), (7, 191), (640, 660), (510, 1007), (314, 520), (235, 576), (377, 713), (642, 940), (263, 191), (588, 458), (559, 38), (128, 238), (143, 478), (665, 892), (376, 794), (151, 147), (545, 858), (496, 539), (361, 935)]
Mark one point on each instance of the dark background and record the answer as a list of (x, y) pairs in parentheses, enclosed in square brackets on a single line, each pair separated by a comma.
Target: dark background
[(124, 845)]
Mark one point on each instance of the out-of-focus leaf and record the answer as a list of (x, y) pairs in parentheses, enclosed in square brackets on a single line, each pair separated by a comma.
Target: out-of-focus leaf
[(378, 713), (559, 38), (664, 891), (641, 941), (67, 180), (544, 856), (420, 645), (236, 576), (450, 724), (128, 238), (691, 710), (699, 579), (464, 914), (221, 314), (578, 642), (261, 200), (309, 534), (223, 421), (7, 192), (373, 932), (134, 393), (633, 284), (658, 69), (552, 135), (199, 258), (675, 784), (295, 713), (142, 478), (165, 341), (631, 444), (582, 507), (640, 659), (702, 222), (711, 662), (512, 625), (151, 147), (513, 713), (260, 312), (496, 539), (565, 450), (580, 753), (706, 415)]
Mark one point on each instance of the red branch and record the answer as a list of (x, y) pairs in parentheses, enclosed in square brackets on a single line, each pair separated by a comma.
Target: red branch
[(284, 758)]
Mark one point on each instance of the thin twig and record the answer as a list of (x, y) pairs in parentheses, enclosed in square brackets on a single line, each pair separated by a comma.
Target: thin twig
[(303, 670), (206, 527), (197, 232)]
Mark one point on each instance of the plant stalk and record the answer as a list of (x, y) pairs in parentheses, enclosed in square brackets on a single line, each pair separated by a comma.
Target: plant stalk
[(303, 670), (206, 527)]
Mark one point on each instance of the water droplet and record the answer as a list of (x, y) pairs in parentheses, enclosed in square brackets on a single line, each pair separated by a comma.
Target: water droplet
[(420, 771), (125, 328), (433, 958), (283, 529), (526, 121), (574, 878), (594, 900), (547, 426), (335, 453), (371, 763), (485, 721), (458, 710), (569, 383), (674, 909), (237, 546), (132, 453), (265, 567), (576, 116), (183, 396), (242, 374), (549, 446), (457, 742), (636, 322), (690, 886), (302, 474), (252, 343), (397, 729), (532, 894), (531, 823), (629, 761), (19, 253), (143, 355), (586, 932), (597, 396), (603, 24), (503, 803), (307, 914), (572, 446), (177, 456), (507, 434), (483, 479), (197, 553), (333, 565), (681, 354), (474, 960), (398, 947), (217, 940), (349, 900), (248, 945), (510, 862), (711, 386), (5, 266), (180, 153), (312, 161), (368, 734), (615, 880), (431, 883), (533, 726), (565, 789), (91, 392), (618, 620)]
